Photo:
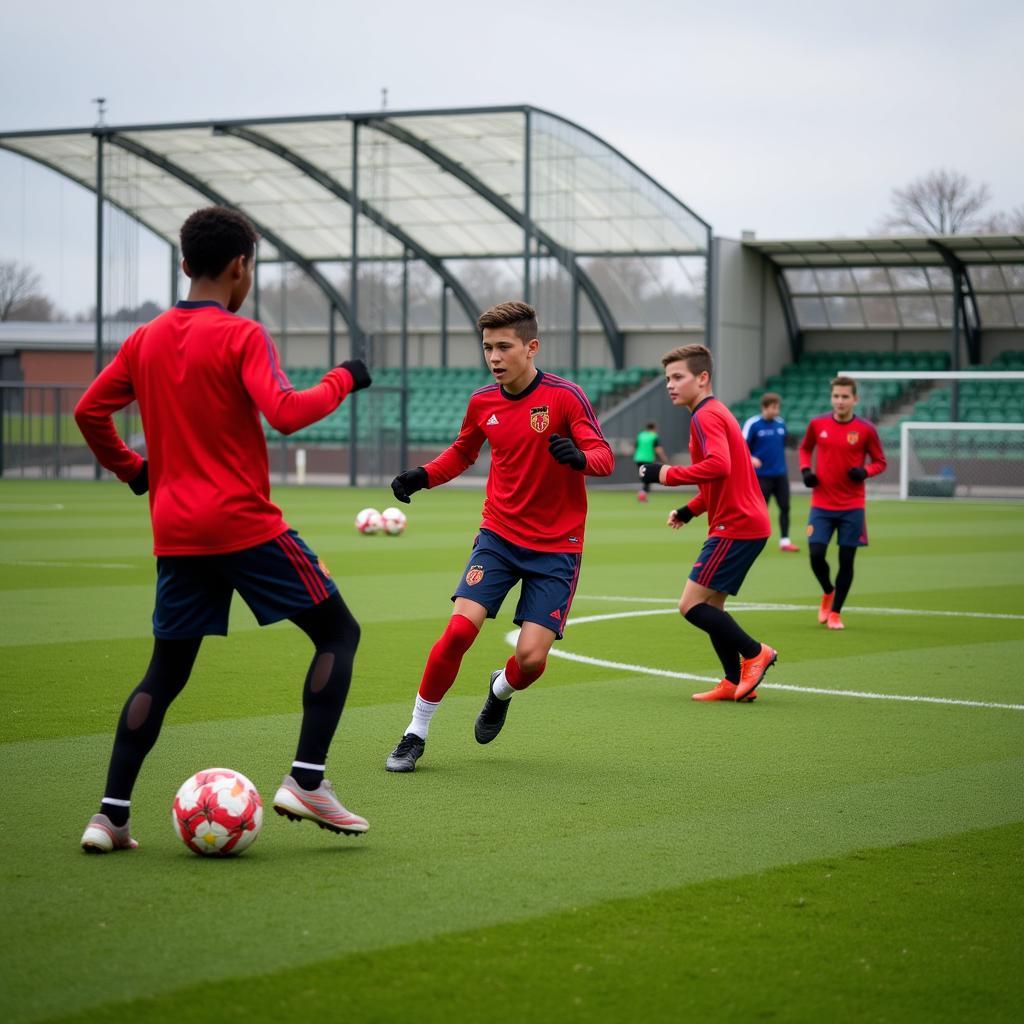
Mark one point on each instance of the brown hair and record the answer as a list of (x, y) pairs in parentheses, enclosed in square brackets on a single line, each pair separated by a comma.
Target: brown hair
[(770, 398), (697, 358), (520, 316), (843, 382)]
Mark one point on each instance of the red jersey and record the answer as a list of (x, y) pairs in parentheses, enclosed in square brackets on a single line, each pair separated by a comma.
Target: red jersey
[(202, 376), (531, 499), (720, 466), (841, 446)]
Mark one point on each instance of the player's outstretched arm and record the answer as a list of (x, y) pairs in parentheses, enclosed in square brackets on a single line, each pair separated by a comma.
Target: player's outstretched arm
[(286, 409), (406, 484)]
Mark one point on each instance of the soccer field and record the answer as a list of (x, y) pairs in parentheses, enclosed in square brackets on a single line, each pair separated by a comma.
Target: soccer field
[(850, 846)]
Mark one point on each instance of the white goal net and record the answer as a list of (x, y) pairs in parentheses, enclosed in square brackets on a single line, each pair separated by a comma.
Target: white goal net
[(951, 434)]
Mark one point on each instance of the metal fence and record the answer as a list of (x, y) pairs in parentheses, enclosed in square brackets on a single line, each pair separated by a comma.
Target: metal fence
[(368, 443)]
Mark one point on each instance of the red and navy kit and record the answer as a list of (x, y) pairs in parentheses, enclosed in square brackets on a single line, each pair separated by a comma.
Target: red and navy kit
[(720, 466), (840, 448), (531, 501), (202, 376)]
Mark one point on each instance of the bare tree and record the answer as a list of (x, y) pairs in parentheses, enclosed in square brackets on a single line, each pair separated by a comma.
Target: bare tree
[(1011, 223), (18, 282), (940, 203)]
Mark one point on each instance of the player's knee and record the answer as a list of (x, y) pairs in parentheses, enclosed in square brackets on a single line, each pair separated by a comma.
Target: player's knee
[(531, 660)]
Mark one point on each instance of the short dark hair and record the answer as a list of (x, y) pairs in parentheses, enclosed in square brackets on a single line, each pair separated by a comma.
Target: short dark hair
[(520, 316), (843, 382), (697, 358), (770, 398), (212, 237)]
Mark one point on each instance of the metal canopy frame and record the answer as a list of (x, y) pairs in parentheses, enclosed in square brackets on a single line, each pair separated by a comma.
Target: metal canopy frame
[(536, 240), (957, 253)]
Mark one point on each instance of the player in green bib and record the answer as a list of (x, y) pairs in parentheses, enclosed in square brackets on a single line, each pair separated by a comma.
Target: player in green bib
[(648, 449)]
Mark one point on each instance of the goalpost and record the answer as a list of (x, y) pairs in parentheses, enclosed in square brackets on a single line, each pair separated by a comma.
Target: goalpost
[(960, 433)]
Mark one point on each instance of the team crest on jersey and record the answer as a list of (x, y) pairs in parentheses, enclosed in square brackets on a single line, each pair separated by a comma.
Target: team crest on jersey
[(474, 575), (323, 567), (853, 437), (539, 418)]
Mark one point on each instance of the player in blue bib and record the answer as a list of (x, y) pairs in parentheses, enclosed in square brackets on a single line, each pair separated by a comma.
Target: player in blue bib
[(766, 438)]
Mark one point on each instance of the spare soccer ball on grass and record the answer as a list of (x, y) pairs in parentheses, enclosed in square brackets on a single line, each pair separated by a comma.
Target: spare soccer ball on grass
[(394, 521), (217, 813), (369, 521)]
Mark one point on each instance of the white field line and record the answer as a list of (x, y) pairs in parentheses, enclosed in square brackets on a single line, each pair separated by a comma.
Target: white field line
[(12, 506), (760, 606), (69, 565), (513, 635)]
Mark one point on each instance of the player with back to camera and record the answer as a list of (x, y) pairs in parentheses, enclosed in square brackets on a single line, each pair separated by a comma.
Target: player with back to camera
[(544, 439), (766, 437), (201, 377), (843, 441), (738, 525), (648, 449)]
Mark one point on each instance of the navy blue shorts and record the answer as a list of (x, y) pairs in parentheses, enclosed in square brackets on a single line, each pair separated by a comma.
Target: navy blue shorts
[(723, 563), (277, 580), (851, 525), (549, 580)]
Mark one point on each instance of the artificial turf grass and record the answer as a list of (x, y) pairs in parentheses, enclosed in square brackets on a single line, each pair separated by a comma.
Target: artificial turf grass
[(569, 820), (928, 931)]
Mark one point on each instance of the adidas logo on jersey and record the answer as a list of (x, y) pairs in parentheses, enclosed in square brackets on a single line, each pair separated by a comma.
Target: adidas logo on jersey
[(493, 421)]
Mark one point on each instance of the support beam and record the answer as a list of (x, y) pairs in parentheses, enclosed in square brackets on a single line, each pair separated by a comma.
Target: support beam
[(469, 306), (616, 340), (331, 293), (796, 336)]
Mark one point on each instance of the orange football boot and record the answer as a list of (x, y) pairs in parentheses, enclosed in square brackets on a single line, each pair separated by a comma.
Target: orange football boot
[(788, 546), (752, 670), (834, 622), (826, 606), (725, 690)]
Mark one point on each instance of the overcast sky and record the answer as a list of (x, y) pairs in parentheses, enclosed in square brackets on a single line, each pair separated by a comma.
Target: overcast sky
[(788, 118)]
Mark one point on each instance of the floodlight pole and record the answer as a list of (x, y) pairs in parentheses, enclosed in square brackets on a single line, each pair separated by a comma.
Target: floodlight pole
[(527, 235), (98, 352), (175, 257), (403, 443), (355, 342)]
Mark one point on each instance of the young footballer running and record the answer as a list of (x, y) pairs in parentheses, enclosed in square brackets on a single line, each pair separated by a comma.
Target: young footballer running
[(201, 377), (843, 441), (766, 438), (738, 525), (544, 440)]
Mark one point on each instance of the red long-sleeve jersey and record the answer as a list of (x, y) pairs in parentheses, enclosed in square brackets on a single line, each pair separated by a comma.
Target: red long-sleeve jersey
[(720, 466), (202, 376), (841, 446), (531, 499)]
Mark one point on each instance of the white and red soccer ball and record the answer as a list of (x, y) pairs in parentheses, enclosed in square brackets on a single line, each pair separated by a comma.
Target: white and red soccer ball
[(391, 521), (217, 813), (394, 521), (369, 521)]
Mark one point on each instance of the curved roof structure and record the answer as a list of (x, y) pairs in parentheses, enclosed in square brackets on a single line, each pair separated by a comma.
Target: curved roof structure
[(432, 185)]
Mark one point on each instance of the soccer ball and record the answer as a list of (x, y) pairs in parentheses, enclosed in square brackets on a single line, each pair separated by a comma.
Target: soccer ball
[(369, 521), (394, 521), (217, 813)]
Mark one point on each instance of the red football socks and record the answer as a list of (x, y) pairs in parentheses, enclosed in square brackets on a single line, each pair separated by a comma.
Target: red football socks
[(445, 658)]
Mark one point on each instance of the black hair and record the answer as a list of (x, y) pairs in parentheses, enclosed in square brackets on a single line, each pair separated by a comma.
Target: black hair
[(212, 237)]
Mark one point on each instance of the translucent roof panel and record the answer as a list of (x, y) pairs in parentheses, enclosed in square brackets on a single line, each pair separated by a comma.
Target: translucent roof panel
[(905, 295)]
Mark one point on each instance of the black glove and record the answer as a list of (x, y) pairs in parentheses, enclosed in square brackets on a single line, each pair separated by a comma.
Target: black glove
[(564, 450), (140, 482), (650, 472), (857, 473), (684, 514), (810, 480), (408, 483), (360, 374)]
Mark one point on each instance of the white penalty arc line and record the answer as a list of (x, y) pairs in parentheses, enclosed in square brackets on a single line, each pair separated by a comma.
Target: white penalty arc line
[(512, 636), (67, 565), (13, 506), (763, 606)]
